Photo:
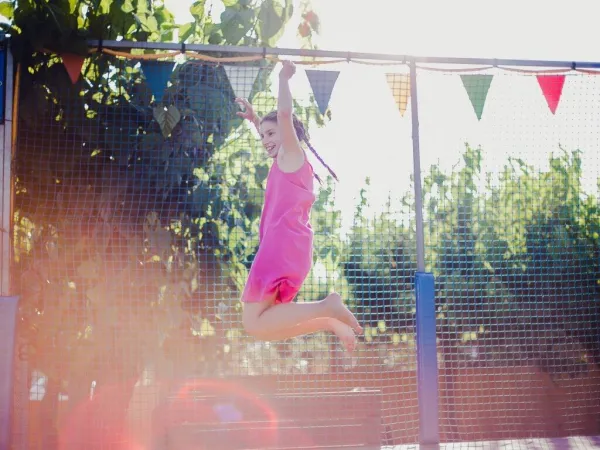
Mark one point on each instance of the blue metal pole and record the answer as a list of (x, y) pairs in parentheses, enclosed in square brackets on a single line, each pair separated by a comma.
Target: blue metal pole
[(427, 369), (8, 317)]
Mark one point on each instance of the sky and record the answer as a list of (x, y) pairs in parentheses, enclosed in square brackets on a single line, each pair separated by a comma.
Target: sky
[(367, 137), (533, 29)]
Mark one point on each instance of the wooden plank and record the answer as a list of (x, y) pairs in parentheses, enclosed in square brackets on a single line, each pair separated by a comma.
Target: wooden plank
[(344, 419)]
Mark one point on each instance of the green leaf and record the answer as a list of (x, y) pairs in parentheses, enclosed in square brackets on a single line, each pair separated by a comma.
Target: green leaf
[(261, 173), (202, 196), (186, 30), (142, 94), (118, 20), (167, 26), (72, 6), (211, 104), (236, 235), (142, 6), (236, 23), (164, 16), (210, 27), (151, 143), (167, 118), (324, 252), (215, 38), (127, 7), (197, 9), (272, 17), (230, 2), (107, 5), (149, 23), (210, 234)]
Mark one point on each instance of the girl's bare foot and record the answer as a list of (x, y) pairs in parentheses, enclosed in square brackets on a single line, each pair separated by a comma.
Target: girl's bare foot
[(344, 333), (339, 311)]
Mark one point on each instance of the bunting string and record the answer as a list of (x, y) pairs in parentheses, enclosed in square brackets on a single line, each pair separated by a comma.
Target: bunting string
[(314, 62), (454, 70), (585, 71), (213, 59), (158, 67), (542, 71)]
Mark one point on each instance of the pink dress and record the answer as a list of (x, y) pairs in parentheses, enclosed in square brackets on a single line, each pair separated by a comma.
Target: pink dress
[(285, 253)]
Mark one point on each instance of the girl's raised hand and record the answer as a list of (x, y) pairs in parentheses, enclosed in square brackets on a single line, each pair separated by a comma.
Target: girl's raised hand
[(247, 110), (288, 70)]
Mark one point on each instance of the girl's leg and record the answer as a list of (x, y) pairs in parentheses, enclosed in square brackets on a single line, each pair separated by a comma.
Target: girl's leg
[(301, 329), (344, 333), (267, 321)]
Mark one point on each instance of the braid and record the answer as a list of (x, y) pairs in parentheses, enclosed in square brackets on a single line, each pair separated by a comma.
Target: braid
[(318, 178), (320, 160)]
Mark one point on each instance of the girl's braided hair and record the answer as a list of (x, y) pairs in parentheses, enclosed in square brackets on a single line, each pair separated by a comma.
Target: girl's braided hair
[(302, 137)]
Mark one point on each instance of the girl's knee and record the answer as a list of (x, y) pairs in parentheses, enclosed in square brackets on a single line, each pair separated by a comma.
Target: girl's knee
[(251, 317), (250, 322)]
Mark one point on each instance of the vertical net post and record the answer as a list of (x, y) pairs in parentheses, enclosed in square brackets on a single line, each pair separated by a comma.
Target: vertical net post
[(8, 314), (8, 305), (427, 373), (6, 137)]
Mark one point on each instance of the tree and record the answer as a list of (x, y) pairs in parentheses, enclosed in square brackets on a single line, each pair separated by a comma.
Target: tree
[(379, 266), (516, 263), (66, 25), (134, 218)]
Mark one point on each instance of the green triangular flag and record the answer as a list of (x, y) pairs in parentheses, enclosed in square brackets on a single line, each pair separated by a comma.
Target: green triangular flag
[(477, 87)]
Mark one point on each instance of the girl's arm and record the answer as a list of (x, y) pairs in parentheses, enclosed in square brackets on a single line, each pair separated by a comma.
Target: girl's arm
[(290, 146)]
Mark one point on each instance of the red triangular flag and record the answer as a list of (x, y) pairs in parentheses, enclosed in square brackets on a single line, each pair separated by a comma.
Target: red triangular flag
[(73, 64), (552, 86)]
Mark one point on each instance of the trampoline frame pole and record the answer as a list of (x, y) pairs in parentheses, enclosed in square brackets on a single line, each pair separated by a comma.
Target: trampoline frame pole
[(427, 368)]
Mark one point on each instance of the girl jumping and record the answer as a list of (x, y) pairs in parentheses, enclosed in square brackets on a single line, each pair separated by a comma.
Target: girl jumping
[(284, 257)]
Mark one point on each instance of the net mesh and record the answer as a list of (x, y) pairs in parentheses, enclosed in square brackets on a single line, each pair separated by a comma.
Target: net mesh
[(510, 173), (136, 222), (137, 219)]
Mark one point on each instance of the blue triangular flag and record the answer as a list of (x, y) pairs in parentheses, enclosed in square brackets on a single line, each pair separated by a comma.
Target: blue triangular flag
[(322, 83), (157, 74)]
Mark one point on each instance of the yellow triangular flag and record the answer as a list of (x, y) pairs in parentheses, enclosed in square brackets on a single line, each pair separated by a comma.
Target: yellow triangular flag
[(399, 84)]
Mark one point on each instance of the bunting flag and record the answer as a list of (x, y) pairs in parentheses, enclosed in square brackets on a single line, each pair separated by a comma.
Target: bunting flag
[(157, 75), (552, 87), (399, 84), (477, 87), (322, 83), (73, 64), (242, 79)]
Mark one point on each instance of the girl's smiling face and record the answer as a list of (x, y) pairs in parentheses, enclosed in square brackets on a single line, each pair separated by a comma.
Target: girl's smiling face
[(269, 134)]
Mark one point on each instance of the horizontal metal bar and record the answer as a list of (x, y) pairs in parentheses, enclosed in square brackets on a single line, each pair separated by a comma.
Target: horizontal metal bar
[(345, 55)]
